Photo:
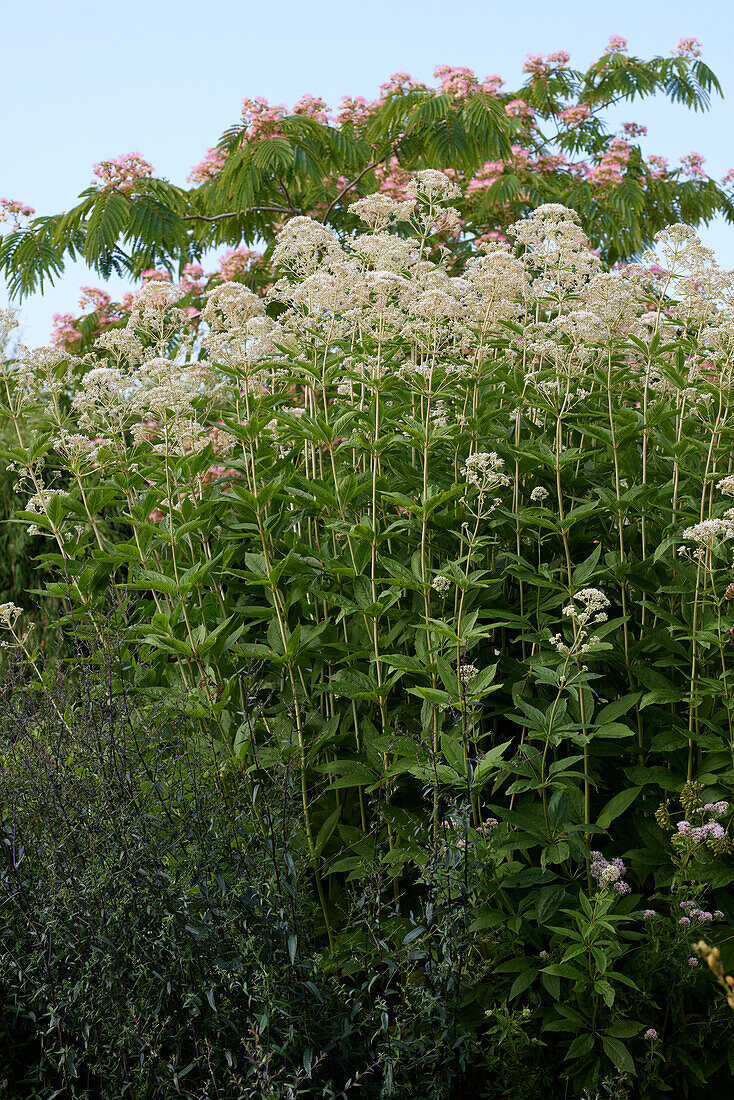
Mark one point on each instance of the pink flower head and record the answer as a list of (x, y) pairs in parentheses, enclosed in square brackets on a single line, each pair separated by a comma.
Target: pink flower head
[(95, 297), (633, 129), (15, 209), (492, 85), (456, 81), (651, 1034), (728, 179), (238, 261), (155, 275), (310, 106), (64, 334), (535, 65), (688, 48), (575, 115), (616, 44), (559, 58), (693, 166), (399, 84), (485, 176), (550, 162), (209, 167), (261, 118), (611, 166), (393, 179), (658, 164), (352, 110), (518, 108), (122, 173)]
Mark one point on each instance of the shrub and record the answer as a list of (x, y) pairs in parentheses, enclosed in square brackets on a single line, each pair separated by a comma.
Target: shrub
[(473, 527)]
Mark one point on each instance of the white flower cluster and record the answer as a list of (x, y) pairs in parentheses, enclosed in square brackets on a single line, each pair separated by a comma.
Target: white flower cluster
[(726, 485), (587, 608), (432, 186), (707, 535), (442, 585), (485, 471), (9, 614), (379, 211)]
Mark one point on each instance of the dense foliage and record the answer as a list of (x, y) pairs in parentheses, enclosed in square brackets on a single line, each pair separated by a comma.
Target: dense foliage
[(442, 552)]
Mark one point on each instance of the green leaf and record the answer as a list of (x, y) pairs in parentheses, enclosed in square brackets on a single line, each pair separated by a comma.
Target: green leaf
[(618, 1054), (617, 805), (326, 830), (524, 979)]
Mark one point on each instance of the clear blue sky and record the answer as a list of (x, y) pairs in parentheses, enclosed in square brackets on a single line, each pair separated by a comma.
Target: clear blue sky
[(165, 77)]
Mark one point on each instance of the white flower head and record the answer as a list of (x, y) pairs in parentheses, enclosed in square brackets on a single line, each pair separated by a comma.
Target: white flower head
[(485, 471), (710, 532), (432, 186), (9, 614), (378, 211)]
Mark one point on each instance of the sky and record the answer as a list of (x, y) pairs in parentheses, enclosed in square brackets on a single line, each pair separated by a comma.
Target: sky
[(166, 78)]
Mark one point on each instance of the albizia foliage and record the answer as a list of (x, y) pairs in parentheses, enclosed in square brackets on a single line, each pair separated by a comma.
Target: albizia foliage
[(546, 141)]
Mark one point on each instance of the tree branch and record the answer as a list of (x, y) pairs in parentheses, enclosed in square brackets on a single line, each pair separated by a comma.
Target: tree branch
[(238, 213), (342, 193)]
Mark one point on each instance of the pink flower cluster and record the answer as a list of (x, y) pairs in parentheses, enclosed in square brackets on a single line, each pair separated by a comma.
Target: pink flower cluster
[(702, 916), (518, 108), (609, 170), (155, 275), (238, 261), (95, 297), (311, 106), (540, 67), (65, 334), (393, 179), (575, 115), (485, 176), (693, 166), (609, 873), (688, 48), (659, 166), (460, 82), (550, 162), (616, 44), (633, 129), (352, 110), (15, 209), (699, 833), (122, 173), (261, 118), (398, 84), (208, 167)]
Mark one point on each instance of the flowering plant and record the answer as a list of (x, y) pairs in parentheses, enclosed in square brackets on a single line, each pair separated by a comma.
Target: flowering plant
[(396, 529)]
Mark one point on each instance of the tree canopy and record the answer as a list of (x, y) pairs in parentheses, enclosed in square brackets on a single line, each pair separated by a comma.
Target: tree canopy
[(548, 141)]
